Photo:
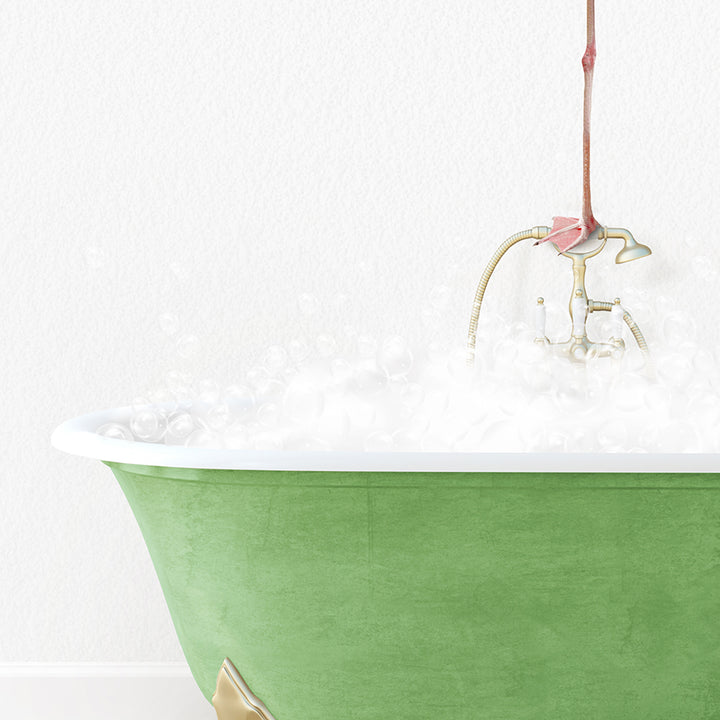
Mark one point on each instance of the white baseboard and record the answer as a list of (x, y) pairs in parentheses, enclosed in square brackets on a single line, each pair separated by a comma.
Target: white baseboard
[(93, 669), (111, 691)]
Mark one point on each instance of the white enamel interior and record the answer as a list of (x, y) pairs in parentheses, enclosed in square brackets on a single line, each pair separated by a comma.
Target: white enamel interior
[(78, 437)]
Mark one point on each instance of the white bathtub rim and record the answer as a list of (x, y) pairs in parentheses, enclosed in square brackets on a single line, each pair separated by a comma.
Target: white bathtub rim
[(78, 437)]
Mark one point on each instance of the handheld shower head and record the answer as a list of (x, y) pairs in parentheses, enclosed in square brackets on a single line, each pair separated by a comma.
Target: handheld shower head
[(632, 250)]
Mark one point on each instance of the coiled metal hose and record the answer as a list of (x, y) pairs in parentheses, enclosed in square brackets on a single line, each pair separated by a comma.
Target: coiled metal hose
[(538, 232), (627, 317)]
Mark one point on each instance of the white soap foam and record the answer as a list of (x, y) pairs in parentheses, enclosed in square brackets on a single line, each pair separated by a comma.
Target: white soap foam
[(384, 395)]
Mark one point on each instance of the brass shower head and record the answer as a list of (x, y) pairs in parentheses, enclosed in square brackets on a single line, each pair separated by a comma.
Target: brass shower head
[(632, 250)]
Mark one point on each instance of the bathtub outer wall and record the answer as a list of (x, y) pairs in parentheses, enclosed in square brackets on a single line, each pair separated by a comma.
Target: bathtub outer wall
[(506, 596)]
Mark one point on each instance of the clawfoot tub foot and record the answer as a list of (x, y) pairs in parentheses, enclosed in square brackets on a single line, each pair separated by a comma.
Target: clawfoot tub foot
[(233, 699)]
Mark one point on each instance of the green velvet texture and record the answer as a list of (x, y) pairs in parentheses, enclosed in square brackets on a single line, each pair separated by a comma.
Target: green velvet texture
[(418, 596)]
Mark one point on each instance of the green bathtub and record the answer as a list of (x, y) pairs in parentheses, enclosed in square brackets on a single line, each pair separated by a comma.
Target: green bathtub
[(346, 587)]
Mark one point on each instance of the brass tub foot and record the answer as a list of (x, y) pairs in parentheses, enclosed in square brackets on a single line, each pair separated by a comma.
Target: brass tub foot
[(233, 699)]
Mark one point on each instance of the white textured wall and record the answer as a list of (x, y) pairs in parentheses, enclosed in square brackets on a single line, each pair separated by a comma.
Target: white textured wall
[(216, 159)]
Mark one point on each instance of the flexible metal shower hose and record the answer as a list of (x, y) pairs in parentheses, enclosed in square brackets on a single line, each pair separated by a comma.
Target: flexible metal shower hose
[(538, 232), (627, 317)]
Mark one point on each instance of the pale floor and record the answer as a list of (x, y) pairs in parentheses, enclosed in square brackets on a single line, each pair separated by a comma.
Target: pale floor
[(178, 698)]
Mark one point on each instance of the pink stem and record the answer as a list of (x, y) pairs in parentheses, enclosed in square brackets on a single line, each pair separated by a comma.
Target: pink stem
[(588, 63)]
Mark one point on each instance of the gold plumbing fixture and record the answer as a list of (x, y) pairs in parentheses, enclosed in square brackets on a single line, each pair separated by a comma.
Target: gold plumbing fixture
[(578, 347), (233, 699)]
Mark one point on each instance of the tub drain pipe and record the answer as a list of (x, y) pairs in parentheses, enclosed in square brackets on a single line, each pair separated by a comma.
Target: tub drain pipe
[(538, 233)]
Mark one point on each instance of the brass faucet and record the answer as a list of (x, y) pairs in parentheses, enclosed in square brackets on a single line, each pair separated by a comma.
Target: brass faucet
[(578, 347)]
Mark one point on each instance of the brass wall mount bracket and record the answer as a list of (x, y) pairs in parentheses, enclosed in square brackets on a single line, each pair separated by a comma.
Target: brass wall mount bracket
[(233, 699)]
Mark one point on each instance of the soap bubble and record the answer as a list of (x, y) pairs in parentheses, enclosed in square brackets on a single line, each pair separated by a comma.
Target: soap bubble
[(179, 427), (534, 424), (333, 423), (257, 377), (180, 385), (679, 327), (240, 401), (690, 244), (139, 403), (349, 334), (341, 303), (658, 399), (276, 358), (704, 363), (537, 377), (268, 414), (512, 401), (613, 435), (521, 333), (602, 325), (680, 437), (394, 356), (397, 385), (299, 350), (208, 391), (342, 371), (267, 441), (303, 402), (94, 257), (147, 425), (169, 323), (306, 444), (115, 431), (504, 353), (203, 438), (326, 346), (440, 297), (217, 418), (236, 437), (367, 346), (438, 355), (271, 391), (706, 412), (633, 360), (308, 305), (163, 400), (188, 345), (431, 318), (473, 439), (432, 442), (556, 441), (369, 379), (405, 441), (703, 268), (412, 395), (180, 270), (451, 430), (360, 412), (378, 442), (502, 437), (629, 393), (457, 365), (674, 369), (368, 266), (532, 352), (436, 402), (571, 396)]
